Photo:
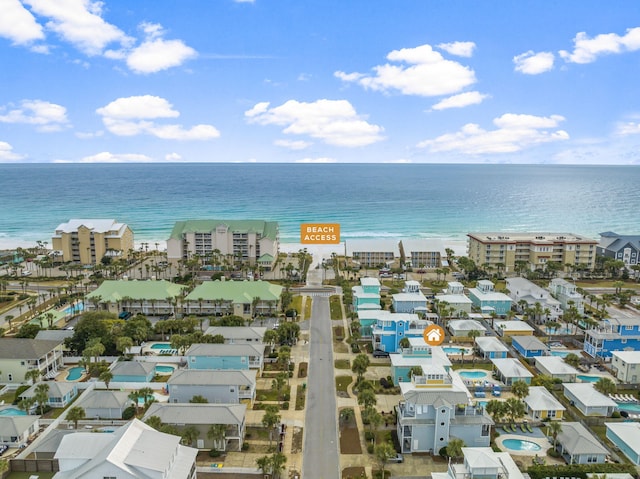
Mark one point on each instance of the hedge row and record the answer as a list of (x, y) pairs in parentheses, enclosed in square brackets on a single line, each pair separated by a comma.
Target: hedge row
[(578, 470)]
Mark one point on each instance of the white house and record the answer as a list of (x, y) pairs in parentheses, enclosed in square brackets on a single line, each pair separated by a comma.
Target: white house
[(512, 328), (626, 366), (541, 404), (491, 347), (481, 462), (455, 298), (523, 289), (579, 446), (461, 327), (589, 401), (510, 370), (555, 367)]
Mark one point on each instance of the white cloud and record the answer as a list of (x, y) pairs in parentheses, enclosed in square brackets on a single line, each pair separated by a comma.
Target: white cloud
[(292, 144), (333, 121), (45, 116), (531, 63), (18, 24), (107, 157), (514, 133), (173, 157), (461, 49), (422, 71), (87, 135), (156, 54), (135, 115), (79, 22), (317, 160), (628, 128), (461, 100), (587, 50), (7, 154)]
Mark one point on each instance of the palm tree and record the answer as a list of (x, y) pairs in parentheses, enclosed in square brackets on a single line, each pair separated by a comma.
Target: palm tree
[(106, 376), (41, 396), (270, 419), (572, 360), (217, 433), (383, 453), (75, 414), (454, 448), (190, 434), (605, 386), (554, 428), (520, 389), (32, 375)]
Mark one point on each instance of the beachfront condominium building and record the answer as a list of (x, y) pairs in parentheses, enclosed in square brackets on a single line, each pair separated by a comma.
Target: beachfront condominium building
[(372, 253), (423, 253), (225, 241), (509, 251), (87, 241), (625, 248)]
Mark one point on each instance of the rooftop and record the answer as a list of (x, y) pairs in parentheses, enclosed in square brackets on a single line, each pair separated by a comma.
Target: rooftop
[(632, 357), (194, 413), (555, 365), (513, 325), (115, 291), (511, 368), (200, 377), (530, 343), (25, 348), (629, 432), (231, 350), (587, 395), (236, 291), (96, 225), (267, 229), (490, 343), (576, 439), (539, 399), (538, 238)]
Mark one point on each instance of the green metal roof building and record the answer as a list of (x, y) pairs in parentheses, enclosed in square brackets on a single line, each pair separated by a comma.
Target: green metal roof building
[(234, 297), (153, 298)]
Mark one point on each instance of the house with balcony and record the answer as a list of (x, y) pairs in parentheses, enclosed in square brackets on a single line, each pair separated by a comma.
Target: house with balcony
[(20, 355), (367, 295), (462, 327), (529, 346), (490, 347), (521, 289), (372, 253), (578, 445), (510, 370), (241, 298), (489, 301), (238, 334), (391, 328), (15, 431), (481, 463), (410, 300), (626, 437), (202, 417), (454, 297), (625, 248), (151, 298), (626, 366), (567, 294), (225, 356), (218, 387), (424, 253), (436, 407), (589, 401), (555, 367), (419, 353), (59, 395), (620, 333), (541, 404), (133, 372)]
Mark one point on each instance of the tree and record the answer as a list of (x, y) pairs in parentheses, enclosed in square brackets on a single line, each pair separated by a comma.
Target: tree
[(360, 365), (154, 422), (41, 396), (217, 433), (605, 386), (190, 434), (404, 343), (415, 371), (367, 398), (106, 376), (520, 389), (75, 414), (454, 448), (198, 399), (32, 375), (124, 343), (515, 409), (572, 360), (264, 464), (554, 428), (497, 409), (473, 334), (543, 380), (383, 453), (278, 461), (270, 419)]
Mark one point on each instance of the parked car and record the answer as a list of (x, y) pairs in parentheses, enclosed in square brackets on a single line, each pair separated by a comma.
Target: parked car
[(397, 458), (379, 353)]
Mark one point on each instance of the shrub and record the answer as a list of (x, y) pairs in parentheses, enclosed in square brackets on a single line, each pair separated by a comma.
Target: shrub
[(214, 453), (551, 452), (245, 446), (292, 366), (615, 415), (19, 391), (369, 436), (129, 413), (285, 405), (286, 397), (23, 296), (262, 397), (443, 452), (370, 448), (290, 374)]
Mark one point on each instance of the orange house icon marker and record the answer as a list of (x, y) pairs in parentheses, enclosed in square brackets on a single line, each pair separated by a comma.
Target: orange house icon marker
[(433, 335)]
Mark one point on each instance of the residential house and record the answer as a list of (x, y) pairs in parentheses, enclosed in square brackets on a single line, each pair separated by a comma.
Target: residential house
[(626, 366), (490, 347), (419, 353), (589, 401), (151, 298), (541, 404), (625, 248), (555, 367), (626, 437), (489, 301), (133, 451), (87, 241), (523, 290), (104, 404), (238, 334), (567, 294), (391, 328), (512, 328), (372, 253), (241, 298), (133, 372), (424, 253), (225, 356), (507, 251), (410, 300), (15, 431), (481, 463), (217, 387), (621, 333), (529, 346), (578, 446), (462, 327), (203, 417), (436, 407), (20, 355), (227, 241), (60, 393), (454, 297), (510, 370), (366, 296)]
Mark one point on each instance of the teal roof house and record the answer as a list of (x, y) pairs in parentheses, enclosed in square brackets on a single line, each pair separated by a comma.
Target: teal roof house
[(151, 298), (241, 298)]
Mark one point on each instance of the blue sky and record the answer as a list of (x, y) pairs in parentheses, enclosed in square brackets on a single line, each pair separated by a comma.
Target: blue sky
[(320, 81)]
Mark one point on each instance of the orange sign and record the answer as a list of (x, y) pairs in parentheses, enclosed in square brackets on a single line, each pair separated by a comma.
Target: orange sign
[(433, 335), (320, 233)]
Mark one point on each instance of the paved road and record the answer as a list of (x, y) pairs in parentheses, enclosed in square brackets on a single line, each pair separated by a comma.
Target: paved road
[(320, 460)]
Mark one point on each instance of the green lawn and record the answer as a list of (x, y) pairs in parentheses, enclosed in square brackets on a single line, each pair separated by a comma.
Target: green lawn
[(300, 397), (342, 364), (342, 382), (307, 307), (270, 394), (470, 365), (335, 307)]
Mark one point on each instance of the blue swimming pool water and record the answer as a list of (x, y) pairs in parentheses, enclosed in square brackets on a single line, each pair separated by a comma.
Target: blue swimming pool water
[(12, 411), (473, 374), (588, 379), (562, 354), (75, 308), (482, 403), (161, 346), (454, 350), (75, 373), (520, 445), (164, 369), (630, 407)]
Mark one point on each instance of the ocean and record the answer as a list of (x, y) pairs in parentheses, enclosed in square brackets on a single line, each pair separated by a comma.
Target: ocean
[(368, 200)]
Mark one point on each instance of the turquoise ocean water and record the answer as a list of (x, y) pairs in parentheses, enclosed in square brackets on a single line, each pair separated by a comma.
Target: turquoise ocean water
[(368, 200)]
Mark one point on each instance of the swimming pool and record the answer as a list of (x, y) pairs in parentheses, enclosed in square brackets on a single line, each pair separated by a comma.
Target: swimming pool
[(161, 369), (520, 445), (455, 350), (473, 374), (75, 373), (74, 308), (630, 407), (562, 354), (588, 379), (161, 346), (12, 411), (482, 404)]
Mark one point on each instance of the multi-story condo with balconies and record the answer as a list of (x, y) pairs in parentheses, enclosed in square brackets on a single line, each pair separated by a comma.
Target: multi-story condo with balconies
[(87, 241), (505, 251), (251, 241)]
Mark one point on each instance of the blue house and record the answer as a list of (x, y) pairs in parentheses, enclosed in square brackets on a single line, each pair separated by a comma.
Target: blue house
[(529, 346), (490, 347), (390, 328), (484, 297), (626, 436), (225, 356), (133, 372), (60, 393), (367, 295), (420, 354), (411, 300), (614, 334)]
